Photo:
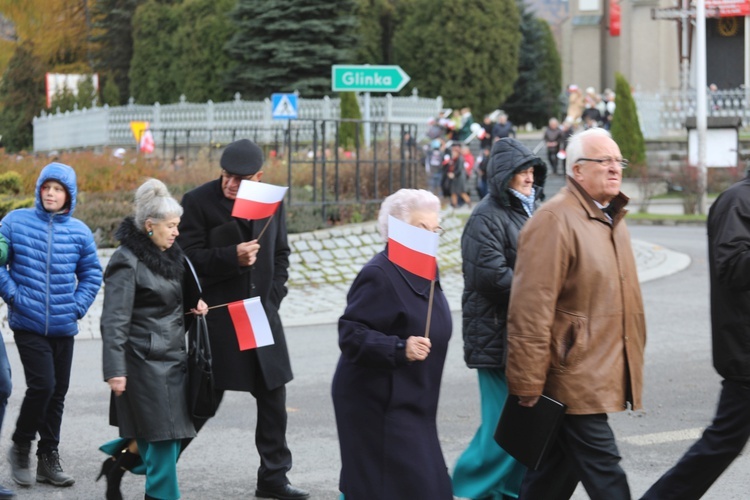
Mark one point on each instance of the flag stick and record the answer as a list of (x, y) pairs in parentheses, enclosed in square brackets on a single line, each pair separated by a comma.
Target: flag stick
[(265, 227), (213, 307), (429, 310)]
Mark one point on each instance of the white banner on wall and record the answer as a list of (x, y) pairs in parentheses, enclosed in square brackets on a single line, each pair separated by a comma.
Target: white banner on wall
[(55, 82)]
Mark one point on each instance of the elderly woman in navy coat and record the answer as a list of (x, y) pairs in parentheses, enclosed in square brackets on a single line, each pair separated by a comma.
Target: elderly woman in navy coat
[(387, 383)]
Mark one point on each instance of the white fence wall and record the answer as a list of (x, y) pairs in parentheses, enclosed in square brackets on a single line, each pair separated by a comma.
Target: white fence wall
[(205, 123), (663, 114)]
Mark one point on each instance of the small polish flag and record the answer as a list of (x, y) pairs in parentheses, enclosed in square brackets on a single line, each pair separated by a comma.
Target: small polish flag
[(250, 323), (147, 144), (257, 200), (413, 248)]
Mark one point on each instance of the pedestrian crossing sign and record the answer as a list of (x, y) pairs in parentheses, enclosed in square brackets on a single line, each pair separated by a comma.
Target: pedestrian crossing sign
[(284, 106)]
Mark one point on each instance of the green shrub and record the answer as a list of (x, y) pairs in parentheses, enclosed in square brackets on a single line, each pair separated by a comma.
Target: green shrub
[(10, 183), (10, 204)]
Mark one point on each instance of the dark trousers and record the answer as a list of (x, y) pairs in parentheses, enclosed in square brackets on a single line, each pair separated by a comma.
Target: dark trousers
[(709, 457), (552, 159), (585, 451), (270, 435), (5, 381), (46, 363)]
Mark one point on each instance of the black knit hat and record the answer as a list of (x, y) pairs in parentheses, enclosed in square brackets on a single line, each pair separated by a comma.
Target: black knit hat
[(242, 157)]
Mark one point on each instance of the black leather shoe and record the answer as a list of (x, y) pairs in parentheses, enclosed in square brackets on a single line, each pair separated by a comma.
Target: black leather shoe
[(285, 492)]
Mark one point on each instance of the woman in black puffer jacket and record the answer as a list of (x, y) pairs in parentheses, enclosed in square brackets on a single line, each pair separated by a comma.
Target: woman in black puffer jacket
[(515, 180)]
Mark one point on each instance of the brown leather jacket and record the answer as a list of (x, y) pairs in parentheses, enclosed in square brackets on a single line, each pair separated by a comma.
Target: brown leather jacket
[(576, 328)]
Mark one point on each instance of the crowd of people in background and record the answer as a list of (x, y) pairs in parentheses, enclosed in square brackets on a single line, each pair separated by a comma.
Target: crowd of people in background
[(449, 160)]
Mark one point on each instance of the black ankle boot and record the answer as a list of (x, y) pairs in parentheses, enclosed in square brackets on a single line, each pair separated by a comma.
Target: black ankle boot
[(124, 462)]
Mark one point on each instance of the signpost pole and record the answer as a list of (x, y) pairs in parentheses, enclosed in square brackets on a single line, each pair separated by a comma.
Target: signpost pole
[(700, 95), (367, 120)]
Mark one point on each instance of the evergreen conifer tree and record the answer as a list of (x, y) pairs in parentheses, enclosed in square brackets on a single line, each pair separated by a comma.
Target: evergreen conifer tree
[(534, 98), (151, 76), (287, 45), (110, 92), (113, 39), (201, 59), (377, 21), (63, 100), (347, 130), (550, 70), (86, 96), (21, 98), (626, 129), (466, 52)]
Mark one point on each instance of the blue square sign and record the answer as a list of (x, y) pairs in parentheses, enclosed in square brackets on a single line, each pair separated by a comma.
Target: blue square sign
[(284, 106)]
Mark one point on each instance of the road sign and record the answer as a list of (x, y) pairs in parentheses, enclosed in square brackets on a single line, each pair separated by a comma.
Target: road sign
[(366, 78), (284, 106)]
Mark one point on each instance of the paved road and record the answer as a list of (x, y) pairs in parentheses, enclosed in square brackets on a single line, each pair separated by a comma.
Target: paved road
[(681, 391)]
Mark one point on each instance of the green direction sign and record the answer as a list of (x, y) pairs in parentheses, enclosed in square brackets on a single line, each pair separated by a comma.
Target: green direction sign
[(366, 78)]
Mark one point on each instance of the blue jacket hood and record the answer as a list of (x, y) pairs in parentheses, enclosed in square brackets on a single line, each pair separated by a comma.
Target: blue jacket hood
[(63, 174)]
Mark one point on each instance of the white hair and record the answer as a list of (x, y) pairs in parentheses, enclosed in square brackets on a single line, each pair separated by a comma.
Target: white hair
[(402, 203), (153, 202), (574, 150)]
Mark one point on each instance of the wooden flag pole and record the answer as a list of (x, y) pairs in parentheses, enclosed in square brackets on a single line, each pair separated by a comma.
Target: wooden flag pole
[(214, 307), (265, 227), (429, 309)]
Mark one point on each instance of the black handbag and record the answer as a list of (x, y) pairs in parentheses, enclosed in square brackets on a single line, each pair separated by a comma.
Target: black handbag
[(202, 398)]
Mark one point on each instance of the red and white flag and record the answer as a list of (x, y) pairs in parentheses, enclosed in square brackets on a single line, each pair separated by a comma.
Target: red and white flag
[(147, 144), (257, 200), (413, 248), (250, 323)]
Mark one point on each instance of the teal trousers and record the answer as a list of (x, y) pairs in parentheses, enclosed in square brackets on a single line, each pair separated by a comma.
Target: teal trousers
[(160, 458), (484, 470)]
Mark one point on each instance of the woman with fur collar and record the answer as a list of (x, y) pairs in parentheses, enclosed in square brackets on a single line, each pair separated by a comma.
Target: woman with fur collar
[(143, 333)]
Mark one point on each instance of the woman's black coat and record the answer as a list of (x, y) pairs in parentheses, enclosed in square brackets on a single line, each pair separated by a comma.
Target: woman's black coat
[(143, 337), (385, 406), (209, 236), (488, 249)]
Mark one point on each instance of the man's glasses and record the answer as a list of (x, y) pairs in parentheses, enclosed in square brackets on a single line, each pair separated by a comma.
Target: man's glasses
[(621, 162)]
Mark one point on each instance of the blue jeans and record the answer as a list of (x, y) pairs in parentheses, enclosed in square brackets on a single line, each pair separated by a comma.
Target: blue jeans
[(5, 381)]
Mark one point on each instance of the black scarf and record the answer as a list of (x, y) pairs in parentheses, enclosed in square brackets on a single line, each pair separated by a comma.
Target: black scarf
[(168, 263)]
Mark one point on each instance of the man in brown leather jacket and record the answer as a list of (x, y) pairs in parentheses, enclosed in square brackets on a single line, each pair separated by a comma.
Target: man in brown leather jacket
[(576, 329)]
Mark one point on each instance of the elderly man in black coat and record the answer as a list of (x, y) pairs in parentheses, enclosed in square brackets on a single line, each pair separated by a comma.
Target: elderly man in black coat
[(232, 266)]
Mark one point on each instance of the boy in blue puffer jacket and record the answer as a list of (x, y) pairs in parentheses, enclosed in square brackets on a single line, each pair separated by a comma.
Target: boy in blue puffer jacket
[(51, 280)]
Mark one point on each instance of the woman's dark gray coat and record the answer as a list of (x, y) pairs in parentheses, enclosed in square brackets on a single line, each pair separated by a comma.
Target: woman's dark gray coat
[(143, 335), (488, 249)]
